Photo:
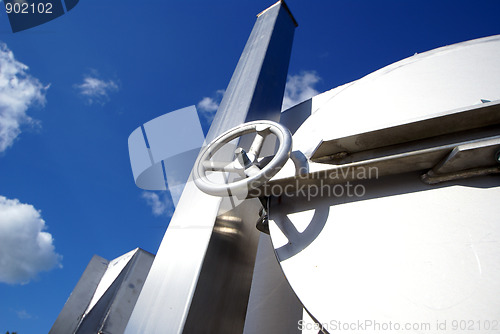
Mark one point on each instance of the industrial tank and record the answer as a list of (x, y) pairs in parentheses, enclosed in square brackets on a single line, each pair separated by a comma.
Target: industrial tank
[(395, 225)]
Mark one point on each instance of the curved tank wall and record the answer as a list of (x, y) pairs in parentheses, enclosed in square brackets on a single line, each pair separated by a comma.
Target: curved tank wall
[(422, 258), (439, 80)]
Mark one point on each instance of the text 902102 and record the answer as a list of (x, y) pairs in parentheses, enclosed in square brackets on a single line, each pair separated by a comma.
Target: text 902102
[(28, 8)]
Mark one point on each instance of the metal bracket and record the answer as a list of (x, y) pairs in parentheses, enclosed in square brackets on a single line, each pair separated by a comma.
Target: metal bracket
[(467, 160), (450, 145), (446, 123)]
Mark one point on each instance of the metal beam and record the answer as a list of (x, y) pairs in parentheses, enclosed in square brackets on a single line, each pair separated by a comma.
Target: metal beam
[(444, 123), (200, 279)]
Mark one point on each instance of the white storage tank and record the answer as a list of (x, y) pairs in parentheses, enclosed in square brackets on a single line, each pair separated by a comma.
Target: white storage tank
[(397, 226)]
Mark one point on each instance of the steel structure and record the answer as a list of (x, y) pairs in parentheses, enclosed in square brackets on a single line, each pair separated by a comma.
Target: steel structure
[(201, 277), (105, 295), (380, 201)]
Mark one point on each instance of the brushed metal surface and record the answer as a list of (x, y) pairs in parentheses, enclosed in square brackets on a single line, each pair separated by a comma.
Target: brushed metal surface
[(71, 314), (220, 301), (179, 288)]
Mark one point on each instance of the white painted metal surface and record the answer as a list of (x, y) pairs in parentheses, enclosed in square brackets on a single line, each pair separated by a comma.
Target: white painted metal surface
[(422, 258)]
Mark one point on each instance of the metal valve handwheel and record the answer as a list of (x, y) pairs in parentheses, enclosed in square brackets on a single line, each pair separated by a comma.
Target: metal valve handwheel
[(246, 164)]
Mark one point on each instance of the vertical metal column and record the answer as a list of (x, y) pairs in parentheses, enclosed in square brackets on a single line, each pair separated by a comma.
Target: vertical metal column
[(200, 279), (258, 83)]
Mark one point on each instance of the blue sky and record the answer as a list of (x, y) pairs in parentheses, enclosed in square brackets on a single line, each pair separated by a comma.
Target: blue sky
[(72, 90)]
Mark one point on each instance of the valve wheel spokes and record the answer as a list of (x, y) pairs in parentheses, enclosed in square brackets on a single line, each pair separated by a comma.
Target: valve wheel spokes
[(246, 164)]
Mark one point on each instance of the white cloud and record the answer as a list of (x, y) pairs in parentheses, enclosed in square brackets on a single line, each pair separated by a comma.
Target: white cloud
[(160, 204), (299, 88), (25, 248), (95, 90), (209, 105), (23, 315), (18, 91)]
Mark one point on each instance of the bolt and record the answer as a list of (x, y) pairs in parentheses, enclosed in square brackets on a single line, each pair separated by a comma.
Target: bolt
[(242, 157), (497, 156)]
